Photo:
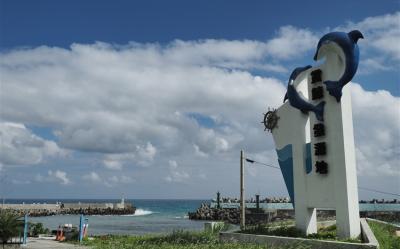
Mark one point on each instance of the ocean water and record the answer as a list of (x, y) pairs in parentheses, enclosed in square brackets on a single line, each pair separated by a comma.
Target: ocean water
[(151, 216)]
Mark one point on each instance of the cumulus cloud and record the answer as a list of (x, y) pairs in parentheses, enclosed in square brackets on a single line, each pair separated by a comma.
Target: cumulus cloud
[(143, 155), (291, 42), (128, 102), (120, 179), (57, 176), (176, 175), (92, 176), (114, 180), (19, 146), (20, 182), (382, 35), (129, 105), (108, 181), (377, 131)]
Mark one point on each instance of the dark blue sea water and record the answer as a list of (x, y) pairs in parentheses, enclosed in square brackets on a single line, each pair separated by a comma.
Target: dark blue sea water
[(152, 216)]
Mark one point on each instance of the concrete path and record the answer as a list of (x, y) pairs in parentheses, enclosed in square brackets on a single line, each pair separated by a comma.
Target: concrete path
[(40, 243)]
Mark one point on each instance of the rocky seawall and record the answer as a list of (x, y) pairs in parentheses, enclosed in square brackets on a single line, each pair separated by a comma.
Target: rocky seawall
[(389, 216), (84, 211), (75, 209), (232, 215), (257, 216)]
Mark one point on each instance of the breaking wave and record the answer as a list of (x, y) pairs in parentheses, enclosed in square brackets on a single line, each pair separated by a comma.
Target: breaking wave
[(142, 212)]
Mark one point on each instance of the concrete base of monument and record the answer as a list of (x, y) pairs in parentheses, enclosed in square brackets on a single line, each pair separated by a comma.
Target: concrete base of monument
[(367, 236)]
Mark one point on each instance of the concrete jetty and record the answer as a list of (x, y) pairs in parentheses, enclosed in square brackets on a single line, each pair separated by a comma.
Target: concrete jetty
[(59, 208)]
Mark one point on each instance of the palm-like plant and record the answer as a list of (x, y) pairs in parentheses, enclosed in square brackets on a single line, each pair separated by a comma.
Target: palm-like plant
[(10, 225)]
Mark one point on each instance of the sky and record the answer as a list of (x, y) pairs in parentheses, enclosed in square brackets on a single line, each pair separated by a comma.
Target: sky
[(155, 99)]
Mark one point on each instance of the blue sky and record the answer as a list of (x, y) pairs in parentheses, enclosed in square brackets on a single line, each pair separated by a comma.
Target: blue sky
[(126, 95), (61, 23), (36, 23)]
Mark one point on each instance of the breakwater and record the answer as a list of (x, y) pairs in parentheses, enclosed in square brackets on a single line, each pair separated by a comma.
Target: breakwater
[(43, 209), (231, 213), (364, 207)]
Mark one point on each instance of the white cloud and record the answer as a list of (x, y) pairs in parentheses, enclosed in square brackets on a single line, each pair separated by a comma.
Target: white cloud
[(173, 164), (371, 65), (126, 179), (60, 176), (19, 146), (110, 181), (143, 155), (381, 43), (113, 181), (92, 176), (198, 152), (123, 102), (146, 153), (110, 162), (126, 106), (377, 131), (57, 176), (20, 182), (291, 42), (175, 174)]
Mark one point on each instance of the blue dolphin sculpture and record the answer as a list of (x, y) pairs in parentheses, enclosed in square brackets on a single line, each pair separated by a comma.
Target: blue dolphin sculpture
[(300, 102), (348, 43), (293, 76)]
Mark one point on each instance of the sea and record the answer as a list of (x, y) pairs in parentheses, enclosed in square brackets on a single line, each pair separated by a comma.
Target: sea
[(151, 217)]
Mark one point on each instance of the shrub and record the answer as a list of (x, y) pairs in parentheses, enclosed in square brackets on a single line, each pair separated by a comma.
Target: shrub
[(10, 226), (37, 228)]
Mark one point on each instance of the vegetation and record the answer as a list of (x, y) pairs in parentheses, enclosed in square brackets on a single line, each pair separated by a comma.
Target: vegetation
[(385, 234), (325, 233), (10, 226), (37, 228), (207, 240), (175, 240), (283, 230)]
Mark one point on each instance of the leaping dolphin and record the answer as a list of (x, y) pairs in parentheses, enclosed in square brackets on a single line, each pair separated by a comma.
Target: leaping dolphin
[(293, 76), (298, 101), (348, 44)]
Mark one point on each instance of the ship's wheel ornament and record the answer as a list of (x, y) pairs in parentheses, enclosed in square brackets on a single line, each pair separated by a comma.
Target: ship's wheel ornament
[(270, 120)]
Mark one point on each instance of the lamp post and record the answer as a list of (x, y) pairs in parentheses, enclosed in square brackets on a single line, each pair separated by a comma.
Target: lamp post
[(242, 198)]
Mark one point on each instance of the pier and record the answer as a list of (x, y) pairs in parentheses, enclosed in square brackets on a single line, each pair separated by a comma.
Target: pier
[(59, 208)]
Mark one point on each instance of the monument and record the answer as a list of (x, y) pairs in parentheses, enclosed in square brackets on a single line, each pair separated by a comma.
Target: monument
[(313, 135)]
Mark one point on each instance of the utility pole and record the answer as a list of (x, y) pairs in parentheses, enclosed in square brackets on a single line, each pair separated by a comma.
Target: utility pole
[(242, 198), (2, 184), (257, 202), (218, 200)]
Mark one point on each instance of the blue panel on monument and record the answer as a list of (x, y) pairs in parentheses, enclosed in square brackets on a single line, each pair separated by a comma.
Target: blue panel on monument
[(308, 158), (285, 159)]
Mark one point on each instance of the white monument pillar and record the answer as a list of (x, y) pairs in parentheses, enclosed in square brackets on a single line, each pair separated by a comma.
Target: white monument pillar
[(317, 155)]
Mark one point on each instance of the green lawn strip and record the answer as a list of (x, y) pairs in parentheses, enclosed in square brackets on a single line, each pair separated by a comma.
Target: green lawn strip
[(175, 240), (385, 234), (326, 233)]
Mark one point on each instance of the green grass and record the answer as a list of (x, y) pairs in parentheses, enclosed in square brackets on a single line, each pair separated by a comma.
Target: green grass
[(282, 230), (326, 233), (175, 240), (385, 234), (207, 240)]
